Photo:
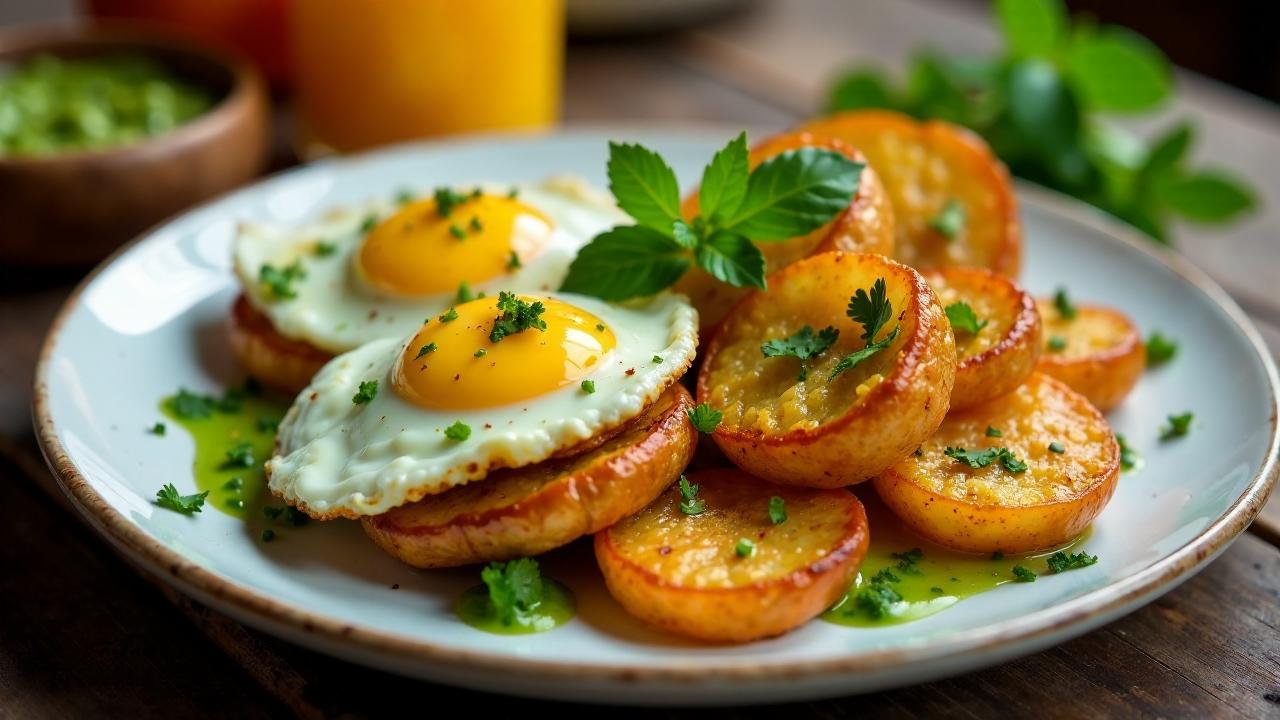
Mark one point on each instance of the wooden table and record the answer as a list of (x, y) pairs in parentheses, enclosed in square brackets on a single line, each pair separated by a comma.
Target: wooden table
[(81, 634)]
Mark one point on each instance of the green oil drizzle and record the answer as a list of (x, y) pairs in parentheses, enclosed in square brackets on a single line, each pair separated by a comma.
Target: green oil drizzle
[(937, 580), (555, 609), (234, 490)]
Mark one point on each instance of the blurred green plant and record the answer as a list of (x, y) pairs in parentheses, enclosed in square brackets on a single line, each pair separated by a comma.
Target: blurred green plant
[(1041, 104)]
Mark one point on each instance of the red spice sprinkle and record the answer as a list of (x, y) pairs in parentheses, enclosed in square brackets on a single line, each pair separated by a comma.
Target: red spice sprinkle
[(631, 372)]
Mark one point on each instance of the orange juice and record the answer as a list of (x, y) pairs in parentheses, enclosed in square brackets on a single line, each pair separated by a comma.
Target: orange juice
[(369, 72)]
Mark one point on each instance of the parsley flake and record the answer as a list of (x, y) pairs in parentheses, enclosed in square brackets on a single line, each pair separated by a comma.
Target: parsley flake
[(690, 503), (324, 249), (1129, 457), (426, 350), (1160, 350), (1057, 343), (1062, 562), (994, 432), (1062, 302), (367, 391), (517, 316), (480, 353), (982, 458), (1021, 574), (515, 588), (449, 316), (458, 431), (871, 310), (268, 535), (951, 220), (997, 556), (804, 345), (513, 261), (446, 200), (370, 222), (239, 456), (588, 386), (267, 423), (475, 225), (404, 196), (168, 497), (157, 429), (457, 231), (877, 599), (704, 419), (1179, 426), (745, 548), (777, 510), (279, 281), (464, 293), (909, 561), (963, 319), (657, 359)]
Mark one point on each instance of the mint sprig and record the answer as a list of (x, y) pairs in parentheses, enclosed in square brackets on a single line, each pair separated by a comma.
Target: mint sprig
[(786, 196)]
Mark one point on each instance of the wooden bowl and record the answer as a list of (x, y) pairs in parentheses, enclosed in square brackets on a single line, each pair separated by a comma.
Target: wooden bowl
[(74, 208)]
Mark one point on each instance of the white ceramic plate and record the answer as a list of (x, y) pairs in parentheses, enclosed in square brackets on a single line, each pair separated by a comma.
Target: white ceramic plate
[(151, 320)]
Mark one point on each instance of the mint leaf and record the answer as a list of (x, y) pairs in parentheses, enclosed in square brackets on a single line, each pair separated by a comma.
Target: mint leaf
[(1168, 152), (1207, 196), (1160, 349), (860, 89), (794, 193), (1043, 109), (685, 234), (1118, 70), (731, 258), (626, 262), (1032, 28), (724, 182), (644, 186)]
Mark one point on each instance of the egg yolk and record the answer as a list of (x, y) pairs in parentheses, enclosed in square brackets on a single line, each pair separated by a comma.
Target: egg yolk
[(418, 251), (453, 364)]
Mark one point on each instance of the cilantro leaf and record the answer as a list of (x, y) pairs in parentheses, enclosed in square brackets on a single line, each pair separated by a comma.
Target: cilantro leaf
[(239, 456), (367, 391), (1160, 349), (951, 220), (963, 319), (1062, 303), (850, 361), (794, 193), (644, 186), (1062, 562), (449, 316), (191, 406), (1022, 574), (168, 497), (517, 316), (731, 258), (1129, 457), (804, 345), (981, 458), (458, 431), (626, 262), (426, 350), (1179, 426), (777, 510), (690, 503), (704, 418), (515, 588), (872, 310), (724, 181), (279, 281)]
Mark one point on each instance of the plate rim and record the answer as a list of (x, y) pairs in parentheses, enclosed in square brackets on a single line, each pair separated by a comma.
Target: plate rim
[(284, 618)]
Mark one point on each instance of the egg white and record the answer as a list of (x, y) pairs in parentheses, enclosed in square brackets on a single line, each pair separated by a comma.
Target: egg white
[(335, 458), (335, 310)]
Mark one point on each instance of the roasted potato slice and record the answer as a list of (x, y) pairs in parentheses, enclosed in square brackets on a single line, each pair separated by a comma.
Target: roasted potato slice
[(530, 510), (1003, 352), (271, 358), (866, 226), (927, 166), (815, 430), (1098, 352), (687, 574), (996, 508)]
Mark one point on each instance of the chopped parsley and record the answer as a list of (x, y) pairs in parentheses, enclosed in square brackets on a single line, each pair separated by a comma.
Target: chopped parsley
[(599, 327), (157, 429), (1062, 302), (1056, 447), (877, 598), (481, 352), (367, 391), (517, 316), (1062, 562), (777, 510), (239, 456), (446, 200), (515, 588), (458, 431), (963, 319), (1179, 426), (993, 432), (997, 556), (885, 575), (168, 497), (704, 419), (1128, 456), (657, 359), (588, 386), (457, 231), (804, 345), (267, 423), (235, 503), (513, 261), (475, 225), (426, 350), (745, 548), (1160, 349), (404, 196), (235, 483), (449, 316), (464, 293), (1057, 343), (951, 220), (909, 561), (690, 503), (982, 458), (268, 535), (279, 281), (324, 249), (872, 311), (1021, 574), (370, 222), (513, 193)]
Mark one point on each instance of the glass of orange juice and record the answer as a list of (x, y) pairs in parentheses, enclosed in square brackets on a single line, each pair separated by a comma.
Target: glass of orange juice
[(378, 71)]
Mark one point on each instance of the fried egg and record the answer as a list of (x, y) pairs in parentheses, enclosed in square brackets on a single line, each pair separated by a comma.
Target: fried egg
[(451, 404), (376, 271)]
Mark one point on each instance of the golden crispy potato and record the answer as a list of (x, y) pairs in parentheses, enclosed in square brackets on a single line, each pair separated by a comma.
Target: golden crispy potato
[(925, 166), (530, 510), (685, 574), (818, 431), (866, 226), (1003, 352), (271, 358), (1099, 352), (992, 508)]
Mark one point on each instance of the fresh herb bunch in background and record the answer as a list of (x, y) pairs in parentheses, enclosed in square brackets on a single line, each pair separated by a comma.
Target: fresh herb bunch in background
[(1041, 106)]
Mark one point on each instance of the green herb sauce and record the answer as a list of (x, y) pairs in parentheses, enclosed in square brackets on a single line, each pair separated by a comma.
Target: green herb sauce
[(234, 490), (555, 609), (938, 579)]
